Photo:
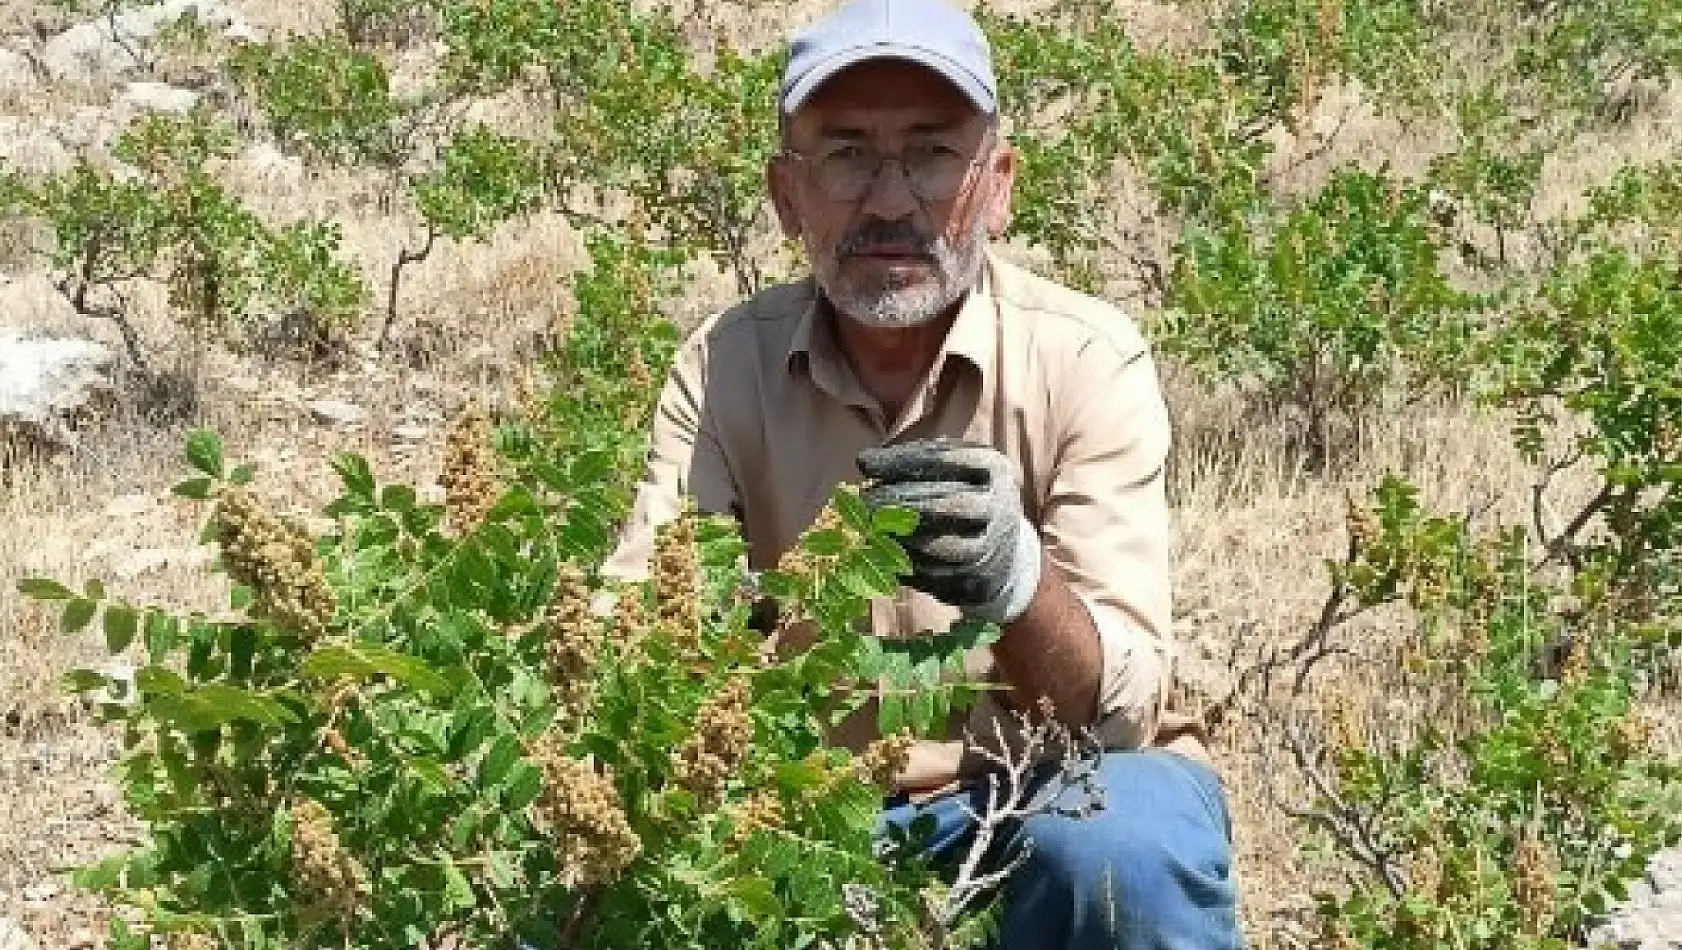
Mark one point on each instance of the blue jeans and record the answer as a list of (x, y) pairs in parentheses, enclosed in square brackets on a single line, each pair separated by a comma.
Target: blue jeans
[(1152, 870)]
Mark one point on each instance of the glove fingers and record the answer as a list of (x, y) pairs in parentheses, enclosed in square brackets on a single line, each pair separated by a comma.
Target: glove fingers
[(945, 550), (958, 586), (964, 546), (928, 460), (934, 502)]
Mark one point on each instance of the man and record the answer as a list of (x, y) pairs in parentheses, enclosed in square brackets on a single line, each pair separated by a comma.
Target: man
[(1021, 419)]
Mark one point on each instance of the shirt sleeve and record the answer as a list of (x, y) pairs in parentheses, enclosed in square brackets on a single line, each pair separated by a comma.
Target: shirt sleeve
[(685, 458), (1105, 523)]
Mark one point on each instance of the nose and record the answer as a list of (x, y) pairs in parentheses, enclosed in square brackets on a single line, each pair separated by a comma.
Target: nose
[(889, 196)]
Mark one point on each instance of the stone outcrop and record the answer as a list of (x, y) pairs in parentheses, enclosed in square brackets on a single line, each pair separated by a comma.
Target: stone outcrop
[(112, 49), (46, 386)]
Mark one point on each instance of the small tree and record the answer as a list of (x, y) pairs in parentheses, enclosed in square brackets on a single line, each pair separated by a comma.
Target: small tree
[(168, 216)]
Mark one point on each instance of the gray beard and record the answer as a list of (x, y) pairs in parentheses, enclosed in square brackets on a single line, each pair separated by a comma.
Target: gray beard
[(891, 304)]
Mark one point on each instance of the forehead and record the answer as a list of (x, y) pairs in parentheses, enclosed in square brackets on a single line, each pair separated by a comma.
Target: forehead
[(883, 96)]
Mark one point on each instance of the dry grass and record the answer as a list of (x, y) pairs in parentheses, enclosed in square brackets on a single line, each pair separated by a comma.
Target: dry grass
[(1252, 526)]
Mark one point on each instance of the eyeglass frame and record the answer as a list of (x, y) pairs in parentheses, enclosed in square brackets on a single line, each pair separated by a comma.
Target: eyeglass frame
[(983, 149)]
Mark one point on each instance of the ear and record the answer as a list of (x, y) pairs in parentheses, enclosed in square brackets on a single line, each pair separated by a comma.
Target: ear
[(781, 186), (1001, 173)]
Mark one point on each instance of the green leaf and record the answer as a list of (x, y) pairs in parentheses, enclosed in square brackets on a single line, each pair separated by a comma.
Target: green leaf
[(499, 761), (103, 875), (923, 710), (196, 488), (458, 892), (524, 786), (231, 703), (875, 570), (397, 497), (358, 477), (120, 626), (893, 519), (162, 632), (502, 872), (83, 681), (204, 452), (365, 661), (78, 613), (891, 713), (242, 475), (854, 514), (825, 542), (186, 712), (752, 898), (94, 589), (158, 680), (41, 588)]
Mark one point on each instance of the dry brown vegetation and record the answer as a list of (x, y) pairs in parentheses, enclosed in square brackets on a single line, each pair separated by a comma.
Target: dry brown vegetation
[(1253, 526)]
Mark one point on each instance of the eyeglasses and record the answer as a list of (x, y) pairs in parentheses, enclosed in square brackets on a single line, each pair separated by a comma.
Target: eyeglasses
[(934, 170)]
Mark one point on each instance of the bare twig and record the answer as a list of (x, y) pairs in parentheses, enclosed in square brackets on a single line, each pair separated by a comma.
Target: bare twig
[(1561, 546), (76, 287), (1354, 829), (1308, 651), (577, 919), (1011, 799), (405, 257), (1539, 492), (121, 40)]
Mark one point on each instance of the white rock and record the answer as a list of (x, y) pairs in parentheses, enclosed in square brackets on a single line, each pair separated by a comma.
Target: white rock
[(12, 936), (44, 383), (337, 412), (110, 49), (1651, 917), (29, 145), (42, 891), (269, 165), (130, 506), (411, 434), (16, 75), (158, 97)]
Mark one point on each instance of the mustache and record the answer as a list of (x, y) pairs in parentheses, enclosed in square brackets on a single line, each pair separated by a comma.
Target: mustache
[(886, 232)]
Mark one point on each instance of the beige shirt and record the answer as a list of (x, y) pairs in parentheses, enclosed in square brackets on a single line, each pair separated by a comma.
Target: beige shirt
[(761, 416)]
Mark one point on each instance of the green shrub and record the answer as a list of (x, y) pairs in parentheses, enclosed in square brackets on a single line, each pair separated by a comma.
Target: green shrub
[(1325, 309), (228, 271), (422, 724)]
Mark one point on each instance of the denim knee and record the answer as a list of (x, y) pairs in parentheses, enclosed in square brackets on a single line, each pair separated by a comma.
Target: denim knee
[(1152, 870)]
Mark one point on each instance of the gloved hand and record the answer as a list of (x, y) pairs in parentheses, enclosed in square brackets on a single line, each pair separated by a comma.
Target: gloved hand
[(973, 547)]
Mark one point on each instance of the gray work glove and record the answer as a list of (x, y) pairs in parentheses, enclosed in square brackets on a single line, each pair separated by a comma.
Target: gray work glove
[(973, 547)]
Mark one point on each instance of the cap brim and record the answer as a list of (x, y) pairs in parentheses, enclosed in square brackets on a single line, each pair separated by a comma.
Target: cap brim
[(966, 83)]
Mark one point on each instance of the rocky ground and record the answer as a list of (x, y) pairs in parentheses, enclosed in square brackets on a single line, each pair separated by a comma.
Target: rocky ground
[(1651, 919)]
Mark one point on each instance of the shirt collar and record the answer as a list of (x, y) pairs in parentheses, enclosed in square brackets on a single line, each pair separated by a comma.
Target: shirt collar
[(973, 333)]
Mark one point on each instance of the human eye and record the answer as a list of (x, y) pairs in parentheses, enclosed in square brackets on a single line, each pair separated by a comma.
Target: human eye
[(933, 153), (840, 152)]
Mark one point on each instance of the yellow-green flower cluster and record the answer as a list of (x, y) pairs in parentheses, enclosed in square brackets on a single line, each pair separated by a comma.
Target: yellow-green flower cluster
[(723, 734), (277, 561), (469, 476), (332, 880), (884, 759), (673, 571), (580, 809), (572, 645)]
